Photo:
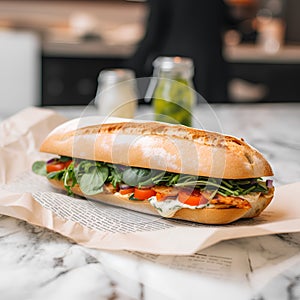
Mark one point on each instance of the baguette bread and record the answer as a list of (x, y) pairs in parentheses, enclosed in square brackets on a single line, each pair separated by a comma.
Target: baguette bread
[(170, 148), (154, 145)]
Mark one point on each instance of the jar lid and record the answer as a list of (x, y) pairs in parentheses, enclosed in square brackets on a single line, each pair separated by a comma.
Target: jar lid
[(176, 63), (115, 75)]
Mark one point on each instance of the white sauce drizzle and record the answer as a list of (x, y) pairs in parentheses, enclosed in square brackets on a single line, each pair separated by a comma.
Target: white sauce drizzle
[(169, 207)]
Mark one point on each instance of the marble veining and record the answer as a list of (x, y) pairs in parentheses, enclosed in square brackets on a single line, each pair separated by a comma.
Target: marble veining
[(36, 263)]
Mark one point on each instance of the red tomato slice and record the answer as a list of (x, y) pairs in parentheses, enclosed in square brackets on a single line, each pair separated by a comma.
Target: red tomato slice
[(143, 194), (126, 191), (55, 167), (193, 198)]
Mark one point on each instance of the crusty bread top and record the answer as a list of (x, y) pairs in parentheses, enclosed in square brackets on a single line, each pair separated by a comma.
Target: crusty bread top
[(155, 145)]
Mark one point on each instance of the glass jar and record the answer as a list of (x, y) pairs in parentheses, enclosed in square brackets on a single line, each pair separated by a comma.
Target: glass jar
[(174, 95), (117, 93)]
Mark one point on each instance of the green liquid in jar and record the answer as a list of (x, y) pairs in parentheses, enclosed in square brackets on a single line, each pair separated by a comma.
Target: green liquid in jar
[(173, 101)]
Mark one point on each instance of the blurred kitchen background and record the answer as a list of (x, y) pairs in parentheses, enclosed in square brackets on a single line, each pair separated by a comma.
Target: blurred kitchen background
[(51, 52)]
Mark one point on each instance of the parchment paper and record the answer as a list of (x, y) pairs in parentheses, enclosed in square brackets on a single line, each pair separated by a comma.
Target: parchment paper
[(29, 197)]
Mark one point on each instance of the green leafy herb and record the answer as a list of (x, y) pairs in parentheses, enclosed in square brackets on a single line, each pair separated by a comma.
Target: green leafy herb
[(131, 197), (92, 183), (137, 176), (39, 167), (58, 175), (92, 175), (114, 177), (69, 178)]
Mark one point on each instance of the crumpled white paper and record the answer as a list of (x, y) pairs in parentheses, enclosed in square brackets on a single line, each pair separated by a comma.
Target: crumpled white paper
[(27, 196)]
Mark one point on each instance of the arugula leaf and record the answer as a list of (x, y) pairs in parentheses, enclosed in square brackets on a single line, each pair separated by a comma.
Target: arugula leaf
[(85, 166), (91, 183), (69, 178), (137, 176), (142, 177), (39, 167), (225, 187), (114, 176), (58, 175)]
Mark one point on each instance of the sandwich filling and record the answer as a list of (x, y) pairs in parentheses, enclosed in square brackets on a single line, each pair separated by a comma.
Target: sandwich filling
[(167, 192)]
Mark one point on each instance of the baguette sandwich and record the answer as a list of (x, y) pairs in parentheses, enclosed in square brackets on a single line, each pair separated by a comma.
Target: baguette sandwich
[(168, 170)]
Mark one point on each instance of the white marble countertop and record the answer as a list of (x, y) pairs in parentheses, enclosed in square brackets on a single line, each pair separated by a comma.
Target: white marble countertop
[(38, 264)]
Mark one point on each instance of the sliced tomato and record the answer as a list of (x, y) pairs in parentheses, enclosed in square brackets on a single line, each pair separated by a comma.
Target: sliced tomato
[(57, 166), (143, 194), (192, 198), (126, 191), (54, 167)]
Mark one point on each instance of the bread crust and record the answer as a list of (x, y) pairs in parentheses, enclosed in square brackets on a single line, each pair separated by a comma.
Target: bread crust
[(155, 145), (213, 216)]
